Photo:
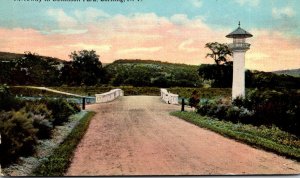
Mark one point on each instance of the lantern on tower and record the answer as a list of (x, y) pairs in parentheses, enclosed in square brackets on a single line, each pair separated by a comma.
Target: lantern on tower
[(239, 48)]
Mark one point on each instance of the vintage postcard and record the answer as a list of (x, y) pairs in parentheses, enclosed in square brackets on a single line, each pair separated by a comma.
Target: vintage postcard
[(149, 87)]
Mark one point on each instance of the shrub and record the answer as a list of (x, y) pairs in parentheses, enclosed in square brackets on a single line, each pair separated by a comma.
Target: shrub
[(58, 162), (239, 114), (270, 107), (75, 106), (42, 119), (61, 110), (8, 101), (18, 135), (203, 109)]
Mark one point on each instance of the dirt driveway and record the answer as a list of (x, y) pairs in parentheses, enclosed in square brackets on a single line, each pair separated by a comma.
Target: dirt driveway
[(135, 135)]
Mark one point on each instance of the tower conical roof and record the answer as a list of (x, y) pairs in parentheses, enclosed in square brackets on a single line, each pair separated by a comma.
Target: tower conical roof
[(239, 33)]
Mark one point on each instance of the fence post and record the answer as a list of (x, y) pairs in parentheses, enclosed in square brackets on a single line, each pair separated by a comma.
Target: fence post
[(83, 103), (182, 104)]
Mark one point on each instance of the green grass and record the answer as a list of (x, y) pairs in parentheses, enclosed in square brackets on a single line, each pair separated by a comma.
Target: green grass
[(207, 93), (261, 137), (57, 163), (128, 90)]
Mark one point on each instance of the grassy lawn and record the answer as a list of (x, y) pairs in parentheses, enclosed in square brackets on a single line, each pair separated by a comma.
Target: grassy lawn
[(270, 139), (128, 91), (207, 93), (58, 162)]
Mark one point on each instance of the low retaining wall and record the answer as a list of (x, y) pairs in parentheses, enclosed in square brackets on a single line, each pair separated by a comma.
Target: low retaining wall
[(169, 98), (109, 96)]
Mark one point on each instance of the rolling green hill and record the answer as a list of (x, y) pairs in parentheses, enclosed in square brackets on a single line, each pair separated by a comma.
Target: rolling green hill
[(152, 73), (293, 72), (6, 56)]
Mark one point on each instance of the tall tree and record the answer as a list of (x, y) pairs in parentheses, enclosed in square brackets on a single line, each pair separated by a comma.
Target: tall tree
[(33, 69), (220, 74), (86, 67), (219, 52)]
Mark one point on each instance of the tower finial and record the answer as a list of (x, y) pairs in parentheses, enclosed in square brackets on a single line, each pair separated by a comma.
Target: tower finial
[(239, 24)]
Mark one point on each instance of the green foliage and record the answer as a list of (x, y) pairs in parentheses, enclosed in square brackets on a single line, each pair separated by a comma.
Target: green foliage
[(281, 108), (128, 90), (140, 73), (61, 110), (219, 75), (18, 135), (271, 139), (293, 72), (260, 107), (218, 52), (21, 129), (258, 79), (207, 93), (42, 118), (7, 100), (35, 70), (75, 106), (84, 69), (6, 72), (58, 162)]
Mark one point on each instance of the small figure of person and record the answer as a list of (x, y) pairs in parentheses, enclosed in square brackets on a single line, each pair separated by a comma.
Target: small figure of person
[(194, 99)]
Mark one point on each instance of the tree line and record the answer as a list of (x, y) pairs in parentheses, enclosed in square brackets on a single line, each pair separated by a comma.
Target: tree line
[(86, 69)]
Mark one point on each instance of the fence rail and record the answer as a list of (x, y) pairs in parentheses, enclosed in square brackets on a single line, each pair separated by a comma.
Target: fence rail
[(168, 97), (109, 96)]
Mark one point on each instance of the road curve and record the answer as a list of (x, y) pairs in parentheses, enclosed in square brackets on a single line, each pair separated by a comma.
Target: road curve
[(135, 135)]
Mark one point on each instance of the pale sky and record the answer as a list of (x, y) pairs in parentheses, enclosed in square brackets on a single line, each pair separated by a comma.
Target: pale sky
[(165, 30)]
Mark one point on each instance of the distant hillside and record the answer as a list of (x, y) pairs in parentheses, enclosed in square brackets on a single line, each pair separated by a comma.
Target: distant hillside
[(140, 61), (293, 72), (155, 65), (6, 56), (152, 73)]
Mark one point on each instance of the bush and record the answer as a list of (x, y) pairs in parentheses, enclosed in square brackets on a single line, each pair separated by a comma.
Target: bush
[(215, 108), (75, 106), (58, 162), (239, 114), (8, 101), (18, 135), (61, 110), (265, 107), (270, 107), (42, 119)]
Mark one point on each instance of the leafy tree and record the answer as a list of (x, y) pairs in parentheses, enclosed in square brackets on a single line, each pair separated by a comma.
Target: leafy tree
[(219, 75), (152, 73), (139, 76), (84, 69), (33, 69), (219, 52), (6, 76)]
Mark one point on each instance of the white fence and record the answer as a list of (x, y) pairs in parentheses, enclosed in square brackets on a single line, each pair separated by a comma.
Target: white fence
[(169, 98), (109, 96)]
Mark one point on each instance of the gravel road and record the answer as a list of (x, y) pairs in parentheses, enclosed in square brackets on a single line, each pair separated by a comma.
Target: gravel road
[(135, 135)]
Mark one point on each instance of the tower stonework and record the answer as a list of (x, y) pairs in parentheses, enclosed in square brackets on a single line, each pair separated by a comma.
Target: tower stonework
[(239, 47)]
